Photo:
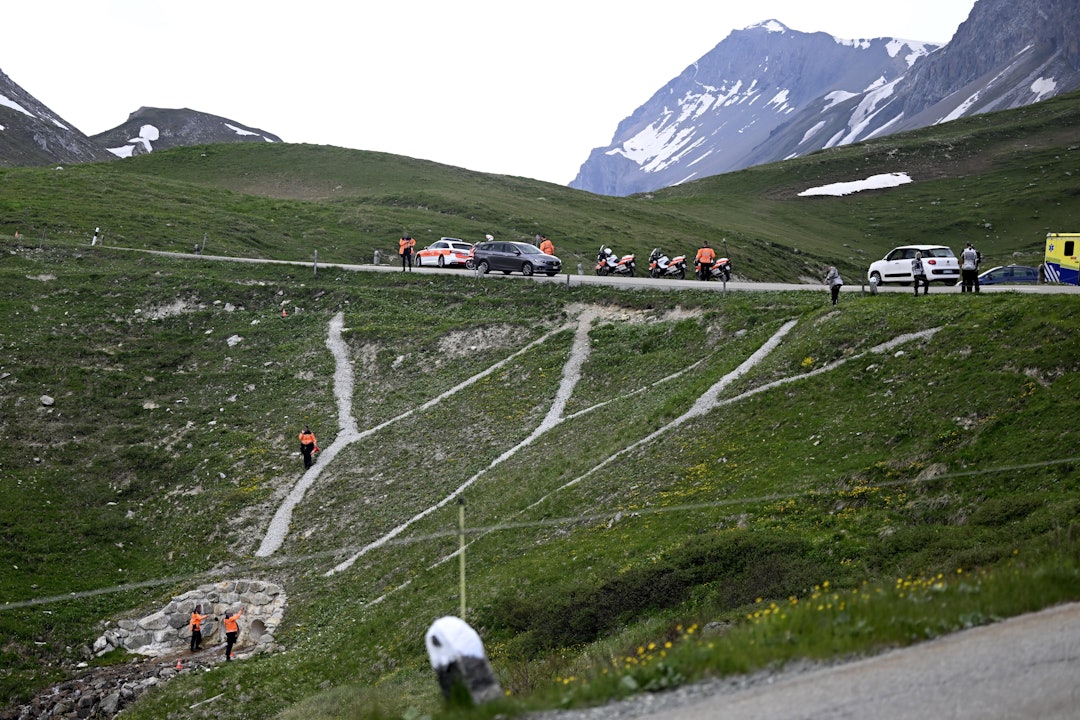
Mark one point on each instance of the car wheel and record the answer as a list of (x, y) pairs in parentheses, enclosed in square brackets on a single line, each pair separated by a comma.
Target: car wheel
[(442, 262), (483, 267), (527, 269), (875, 277), (550, 274), (470, 265)]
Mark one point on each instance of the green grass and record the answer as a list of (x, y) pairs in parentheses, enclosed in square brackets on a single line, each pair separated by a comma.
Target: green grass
[(1001, 180), (171, 443)]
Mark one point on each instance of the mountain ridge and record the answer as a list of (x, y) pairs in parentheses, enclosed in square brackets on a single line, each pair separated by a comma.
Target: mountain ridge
[(148, 129), (1005, 55)]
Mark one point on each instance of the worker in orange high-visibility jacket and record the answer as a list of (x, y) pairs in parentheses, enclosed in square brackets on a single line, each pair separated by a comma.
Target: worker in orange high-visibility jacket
[(308, 446), (196, 627), (704, 260), (232, 630), (546, 246), (405, 250)]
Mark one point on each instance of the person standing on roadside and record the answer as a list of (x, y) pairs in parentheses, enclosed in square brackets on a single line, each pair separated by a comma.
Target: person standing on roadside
[(969, 268), (704, 260), (918, 272), (546, 246), (232, 631), (196, 628), (834, 282), (405, 250), (308, 445)]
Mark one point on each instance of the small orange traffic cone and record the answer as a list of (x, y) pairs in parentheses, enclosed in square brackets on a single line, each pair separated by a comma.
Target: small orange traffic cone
[(283, 313), (179, 665)]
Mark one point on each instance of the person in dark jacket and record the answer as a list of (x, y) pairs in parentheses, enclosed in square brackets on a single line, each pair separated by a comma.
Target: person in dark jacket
[(918, 273)]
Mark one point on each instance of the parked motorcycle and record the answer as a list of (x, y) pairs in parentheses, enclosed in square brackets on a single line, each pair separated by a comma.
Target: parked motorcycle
[(661, 266), (721, 268), (608, 263)]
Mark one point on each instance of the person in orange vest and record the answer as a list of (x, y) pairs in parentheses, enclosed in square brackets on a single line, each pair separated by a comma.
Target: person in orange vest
[(546, 245), (232, 629), (405, 250), (308, 445), (704, 259), (196, 628)]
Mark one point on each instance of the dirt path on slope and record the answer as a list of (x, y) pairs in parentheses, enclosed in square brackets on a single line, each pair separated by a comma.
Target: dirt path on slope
[(571, 374)]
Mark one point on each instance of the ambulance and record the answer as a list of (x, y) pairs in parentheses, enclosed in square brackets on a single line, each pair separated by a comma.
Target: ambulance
[(1061, 263)]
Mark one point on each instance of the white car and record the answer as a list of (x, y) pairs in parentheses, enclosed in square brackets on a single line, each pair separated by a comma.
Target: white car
[(447, 251), (939, 262)]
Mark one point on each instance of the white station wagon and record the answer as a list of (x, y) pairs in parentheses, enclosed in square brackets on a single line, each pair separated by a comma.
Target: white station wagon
[(939, 262)]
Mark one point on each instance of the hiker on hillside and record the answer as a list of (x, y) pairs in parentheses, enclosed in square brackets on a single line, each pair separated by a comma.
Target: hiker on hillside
[(308, 445), (232, 630), (196, 628), (918, 272), (405, 250), (546, 246), (834, 282)]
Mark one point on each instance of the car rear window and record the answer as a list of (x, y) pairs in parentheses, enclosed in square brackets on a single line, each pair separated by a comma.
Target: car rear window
[(942, 252)]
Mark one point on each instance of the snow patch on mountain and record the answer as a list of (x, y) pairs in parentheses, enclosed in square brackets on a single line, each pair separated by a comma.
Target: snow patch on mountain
[(148, 134), (8, 102), (874, 182), (1043, 87)]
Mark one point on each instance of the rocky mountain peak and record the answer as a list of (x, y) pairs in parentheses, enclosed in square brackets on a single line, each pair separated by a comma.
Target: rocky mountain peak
[(766, 93)]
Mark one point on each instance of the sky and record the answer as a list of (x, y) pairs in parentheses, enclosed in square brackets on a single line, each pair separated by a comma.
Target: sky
[(496, 86)]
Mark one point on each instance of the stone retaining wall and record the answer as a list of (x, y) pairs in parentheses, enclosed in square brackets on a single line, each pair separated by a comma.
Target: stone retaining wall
[(166, 630)]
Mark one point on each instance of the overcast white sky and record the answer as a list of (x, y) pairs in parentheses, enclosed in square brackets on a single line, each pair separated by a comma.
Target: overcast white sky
[(491, 85)]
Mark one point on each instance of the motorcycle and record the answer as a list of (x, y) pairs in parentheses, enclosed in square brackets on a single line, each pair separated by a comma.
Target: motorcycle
[(721, 268), (608, 263), (661, 266)]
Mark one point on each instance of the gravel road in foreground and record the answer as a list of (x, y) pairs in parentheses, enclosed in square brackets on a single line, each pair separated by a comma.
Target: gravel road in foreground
[(1026, 668)]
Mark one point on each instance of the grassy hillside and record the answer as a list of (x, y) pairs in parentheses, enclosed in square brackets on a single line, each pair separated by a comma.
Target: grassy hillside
[(907, 489), (168, 449), (1001, 180)]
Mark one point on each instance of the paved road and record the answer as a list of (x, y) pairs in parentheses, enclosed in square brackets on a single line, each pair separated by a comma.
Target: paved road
[(573, 279), (1024, 668)]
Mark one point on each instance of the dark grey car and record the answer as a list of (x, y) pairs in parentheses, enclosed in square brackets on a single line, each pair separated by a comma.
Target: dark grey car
[(511, 257), (1009, 274)]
